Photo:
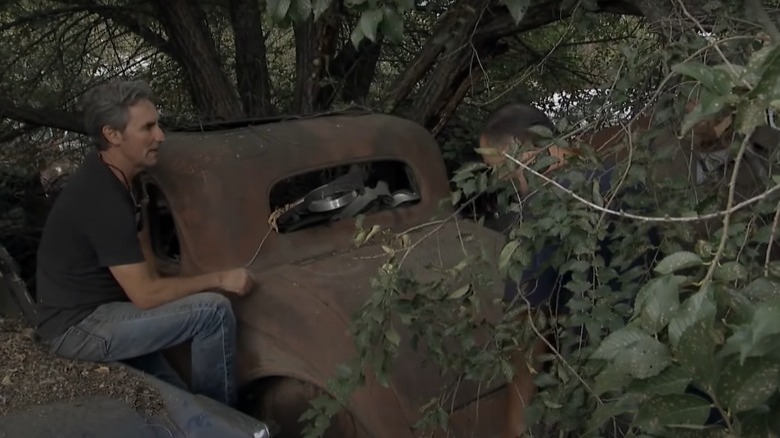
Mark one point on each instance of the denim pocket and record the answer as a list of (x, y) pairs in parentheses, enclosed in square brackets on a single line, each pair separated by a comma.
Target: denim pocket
[(79, 344)]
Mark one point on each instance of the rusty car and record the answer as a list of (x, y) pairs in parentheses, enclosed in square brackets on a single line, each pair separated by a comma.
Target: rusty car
[(210, 198)]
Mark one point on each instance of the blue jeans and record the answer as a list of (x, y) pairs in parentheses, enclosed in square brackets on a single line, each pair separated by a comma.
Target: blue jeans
[(121, 332)]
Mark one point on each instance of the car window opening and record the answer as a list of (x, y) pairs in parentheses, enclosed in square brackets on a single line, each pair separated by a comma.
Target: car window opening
[(343, 192)]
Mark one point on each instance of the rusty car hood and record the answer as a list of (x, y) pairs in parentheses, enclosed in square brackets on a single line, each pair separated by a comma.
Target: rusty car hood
[(304, 309), (218, 184)]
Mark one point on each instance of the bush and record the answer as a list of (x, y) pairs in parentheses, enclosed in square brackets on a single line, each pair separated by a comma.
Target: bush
[(669, 332)]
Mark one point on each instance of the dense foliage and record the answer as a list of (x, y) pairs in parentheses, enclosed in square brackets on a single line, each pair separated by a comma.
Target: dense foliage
[(680, 346)]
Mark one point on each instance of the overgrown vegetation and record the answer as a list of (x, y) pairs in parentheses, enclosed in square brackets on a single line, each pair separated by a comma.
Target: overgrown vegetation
[(679, 344)]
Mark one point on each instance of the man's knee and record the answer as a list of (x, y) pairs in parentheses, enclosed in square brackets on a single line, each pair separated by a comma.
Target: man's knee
[(214, 299), (218, 305)]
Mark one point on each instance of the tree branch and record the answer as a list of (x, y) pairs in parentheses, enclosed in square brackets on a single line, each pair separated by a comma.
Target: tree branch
[(55, 118), (125, 18), (16, 133), (45, 15), (731, 209)]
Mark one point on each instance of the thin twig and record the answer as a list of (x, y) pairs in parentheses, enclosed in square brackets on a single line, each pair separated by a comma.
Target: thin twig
[(559, 356), (623, 214), (771, 240), (729, 65), (727, 218)]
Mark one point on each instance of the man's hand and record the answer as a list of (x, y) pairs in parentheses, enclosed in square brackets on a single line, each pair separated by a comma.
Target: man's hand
[(237, 281)]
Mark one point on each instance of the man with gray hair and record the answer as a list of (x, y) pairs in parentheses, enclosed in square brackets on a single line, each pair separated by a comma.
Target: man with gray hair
[(99, 295)]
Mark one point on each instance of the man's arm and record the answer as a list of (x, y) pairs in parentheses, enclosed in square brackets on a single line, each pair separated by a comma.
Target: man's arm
[(146, 289)]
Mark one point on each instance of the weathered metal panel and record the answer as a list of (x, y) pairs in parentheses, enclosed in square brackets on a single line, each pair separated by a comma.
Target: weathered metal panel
[(302, 312), (312, 281), (218, 183)]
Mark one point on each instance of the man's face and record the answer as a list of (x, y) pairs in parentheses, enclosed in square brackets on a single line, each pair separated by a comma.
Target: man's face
[(142, 135)]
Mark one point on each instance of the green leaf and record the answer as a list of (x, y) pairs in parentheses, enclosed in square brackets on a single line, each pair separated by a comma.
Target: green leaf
[(762, 289), (506, 254), (716, 80), (768, 84), (696, 352), (678, 261), (517, 8), (757, 424), (369, 21), (596, 193), (617, 341), (774, 268), (456, 196), (357, 36), (730, 272), (748, 117), (610, 379), (746, 386), (540, 130), (392, 25), (645, 358), (487, 151), (739, 307), (460, 292), (392, 336), (610, 410), (697, 307), (672, 410), (672, 380), (709, 105), (657, 302), (755, 337)]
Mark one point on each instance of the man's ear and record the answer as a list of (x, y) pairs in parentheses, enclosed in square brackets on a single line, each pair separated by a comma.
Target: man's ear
[(112, 135)]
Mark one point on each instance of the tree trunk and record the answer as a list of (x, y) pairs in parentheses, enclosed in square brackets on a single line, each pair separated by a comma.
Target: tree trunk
[(450, 81), (353, 72), (440, 120), (315, 44), (254, 84), (429, 53), (212, 92)]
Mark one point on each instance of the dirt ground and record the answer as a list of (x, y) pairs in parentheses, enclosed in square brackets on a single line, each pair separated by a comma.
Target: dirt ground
[(30, 375)]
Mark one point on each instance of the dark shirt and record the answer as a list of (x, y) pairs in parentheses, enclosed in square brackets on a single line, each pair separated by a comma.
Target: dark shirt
[(540, 283), (92, 225)]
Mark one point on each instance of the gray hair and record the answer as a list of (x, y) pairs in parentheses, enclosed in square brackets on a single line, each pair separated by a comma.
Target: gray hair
[(108, 105)]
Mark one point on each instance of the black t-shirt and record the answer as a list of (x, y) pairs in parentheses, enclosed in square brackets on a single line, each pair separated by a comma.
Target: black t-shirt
[(92, 225)]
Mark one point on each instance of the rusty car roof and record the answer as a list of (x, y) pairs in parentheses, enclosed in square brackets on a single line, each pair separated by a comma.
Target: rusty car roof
[(218, 182)]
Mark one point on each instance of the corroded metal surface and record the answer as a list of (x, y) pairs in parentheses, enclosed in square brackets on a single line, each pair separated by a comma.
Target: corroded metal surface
[(218, 183), (297, 324), (311, 281)]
